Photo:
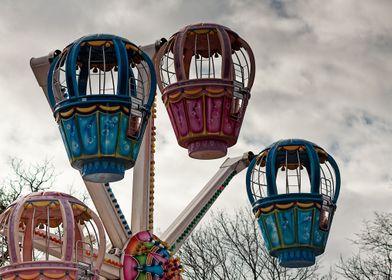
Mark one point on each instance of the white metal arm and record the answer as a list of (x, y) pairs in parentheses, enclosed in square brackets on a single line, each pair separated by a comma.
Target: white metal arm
[(109, 211), (141, 186), (40, 67), (182, 226)]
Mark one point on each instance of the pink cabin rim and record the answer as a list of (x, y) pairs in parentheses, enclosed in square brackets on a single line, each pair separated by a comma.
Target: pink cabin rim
[(205, 82), (42, 265), (182, 86)]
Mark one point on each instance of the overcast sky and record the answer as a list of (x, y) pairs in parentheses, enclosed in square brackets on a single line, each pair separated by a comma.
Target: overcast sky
[(324, 73)]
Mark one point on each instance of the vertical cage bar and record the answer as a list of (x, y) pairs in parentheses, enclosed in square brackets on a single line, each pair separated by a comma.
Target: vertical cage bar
[(246, 63), (99, 80), (299, 172), (33, 233), (195, 54), (209, 55), (89, 70), (332, 179), (287, 173), (95, 232), (113, 85), (61, 239), (104, 69), (47, 233)]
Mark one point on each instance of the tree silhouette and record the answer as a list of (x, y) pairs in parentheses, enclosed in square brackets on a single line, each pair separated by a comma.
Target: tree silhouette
[(374, 259), (231, 247), (24, 179)]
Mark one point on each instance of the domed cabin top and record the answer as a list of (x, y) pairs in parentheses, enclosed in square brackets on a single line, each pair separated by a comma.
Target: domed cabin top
[(50, 235), (101, 68), (292, 168), (205, 73), (205, 53)]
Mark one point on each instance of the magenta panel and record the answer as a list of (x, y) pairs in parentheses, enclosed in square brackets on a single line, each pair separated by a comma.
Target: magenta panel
[(214, 112), (180, 119), (173, 121), (228, 123), (195, 113)]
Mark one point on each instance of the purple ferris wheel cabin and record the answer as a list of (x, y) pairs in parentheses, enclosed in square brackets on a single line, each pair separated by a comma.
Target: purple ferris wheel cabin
[(205, 73)]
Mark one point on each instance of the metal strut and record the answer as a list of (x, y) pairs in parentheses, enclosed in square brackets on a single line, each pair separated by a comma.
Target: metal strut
[(110, 213), (143, 171), (186, 222)]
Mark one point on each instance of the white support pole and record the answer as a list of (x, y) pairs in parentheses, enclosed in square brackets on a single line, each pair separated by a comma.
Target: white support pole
[(141, 184), (141, 172), (184, 224), (108, 213)]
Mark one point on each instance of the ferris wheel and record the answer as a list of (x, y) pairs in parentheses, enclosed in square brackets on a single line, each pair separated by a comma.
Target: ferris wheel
[(101, 89)]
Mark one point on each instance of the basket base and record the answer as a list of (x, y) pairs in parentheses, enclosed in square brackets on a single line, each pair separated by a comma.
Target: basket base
[(296, 257), (207, 149), (103, 170)]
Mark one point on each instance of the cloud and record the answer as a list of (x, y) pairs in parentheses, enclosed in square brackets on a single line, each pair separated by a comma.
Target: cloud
[(323, 74)]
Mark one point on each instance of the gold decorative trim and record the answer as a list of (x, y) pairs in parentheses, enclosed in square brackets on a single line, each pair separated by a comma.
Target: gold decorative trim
[(178, 95), (286, 206)]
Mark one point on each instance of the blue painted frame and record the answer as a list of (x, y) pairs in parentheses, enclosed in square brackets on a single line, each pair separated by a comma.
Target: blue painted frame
[(290, 223), (69, 110)]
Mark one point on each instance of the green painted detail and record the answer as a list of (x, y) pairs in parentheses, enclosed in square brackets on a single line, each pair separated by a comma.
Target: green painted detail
[(200, 215)]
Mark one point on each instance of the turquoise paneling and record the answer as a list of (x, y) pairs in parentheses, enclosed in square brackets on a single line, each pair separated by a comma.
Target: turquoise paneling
[(109, 124), (272, 229), (318, 235), (97, 145), (263, 231), (89, 133), (293, 235), (71, 133), (125, 145), (286, 224), (305, 221)]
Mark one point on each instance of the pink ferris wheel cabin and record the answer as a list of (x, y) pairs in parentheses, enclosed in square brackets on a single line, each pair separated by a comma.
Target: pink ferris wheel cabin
[(50, 235), (205, 73)]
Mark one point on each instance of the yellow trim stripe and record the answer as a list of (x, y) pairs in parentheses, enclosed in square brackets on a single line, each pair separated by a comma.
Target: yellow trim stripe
[(130, 46), (305, 205), (285, 206), (87, 109), (193, 91), (29, 276), (100, 43), (201, 31), (67, 114), (109, 108), (40, 203), (211, 92), (53, 275), (90, 109)]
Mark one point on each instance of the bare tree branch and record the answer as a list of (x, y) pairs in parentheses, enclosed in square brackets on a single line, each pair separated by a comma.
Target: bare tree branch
[(374, 258), (231, 247)]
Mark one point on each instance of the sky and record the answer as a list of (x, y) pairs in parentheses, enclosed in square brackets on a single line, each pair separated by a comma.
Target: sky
[(323, 73)]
